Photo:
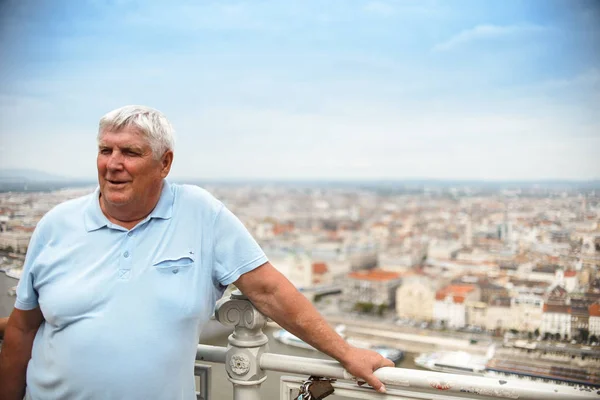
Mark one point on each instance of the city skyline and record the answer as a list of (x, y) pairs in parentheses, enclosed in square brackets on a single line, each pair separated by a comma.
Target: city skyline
[(364, 90)]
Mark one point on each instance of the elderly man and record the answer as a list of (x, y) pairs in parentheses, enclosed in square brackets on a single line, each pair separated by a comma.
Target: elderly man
[(117, 284)]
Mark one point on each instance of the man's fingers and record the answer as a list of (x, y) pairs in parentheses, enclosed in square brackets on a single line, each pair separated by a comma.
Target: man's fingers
[(365, 362), (386, 362), (376, 384), (373, 381)]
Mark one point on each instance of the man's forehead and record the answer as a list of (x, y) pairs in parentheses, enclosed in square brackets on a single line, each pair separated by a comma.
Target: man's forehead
[(123, 139)]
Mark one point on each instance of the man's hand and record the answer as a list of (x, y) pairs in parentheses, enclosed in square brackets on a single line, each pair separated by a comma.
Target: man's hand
[(361, 363)]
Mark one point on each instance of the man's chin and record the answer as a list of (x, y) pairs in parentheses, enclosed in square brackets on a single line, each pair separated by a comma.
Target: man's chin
[(116, 199)]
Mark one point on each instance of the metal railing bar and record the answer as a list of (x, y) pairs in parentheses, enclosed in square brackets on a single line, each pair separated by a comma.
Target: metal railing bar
[(303, 366), (462, 386), (215, 354), (289, 387), (203, 372)]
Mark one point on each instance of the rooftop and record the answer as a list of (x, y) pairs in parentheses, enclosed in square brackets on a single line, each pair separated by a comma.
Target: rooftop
[(374, 275)]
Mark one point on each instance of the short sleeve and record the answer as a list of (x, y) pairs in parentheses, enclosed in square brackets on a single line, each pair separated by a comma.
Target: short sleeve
[(27, 296), (235, 250)]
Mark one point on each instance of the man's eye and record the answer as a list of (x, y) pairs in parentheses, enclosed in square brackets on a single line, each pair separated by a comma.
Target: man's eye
[(105, 151), (130, 153)]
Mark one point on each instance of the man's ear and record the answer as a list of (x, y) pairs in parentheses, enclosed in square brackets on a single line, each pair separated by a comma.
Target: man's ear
[(166, 162)]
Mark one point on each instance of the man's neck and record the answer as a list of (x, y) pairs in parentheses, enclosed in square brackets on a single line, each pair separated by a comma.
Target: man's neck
[(125, 222), (128, 215)]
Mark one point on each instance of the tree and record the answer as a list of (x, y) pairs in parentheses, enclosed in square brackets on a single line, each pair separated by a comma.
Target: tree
[(364, 307), (593, 339), (529, 335), (557, 336), (537, 332)]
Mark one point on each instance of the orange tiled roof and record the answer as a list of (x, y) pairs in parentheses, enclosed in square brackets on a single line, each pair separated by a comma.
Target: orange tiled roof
[(319, 268), (374, 275), (594, 310), (557, 309), (24, 228), (458, 292)]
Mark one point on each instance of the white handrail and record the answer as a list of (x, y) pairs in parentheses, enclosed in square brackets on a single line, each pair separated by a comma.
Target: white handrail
[(247, 359), (440, 384)]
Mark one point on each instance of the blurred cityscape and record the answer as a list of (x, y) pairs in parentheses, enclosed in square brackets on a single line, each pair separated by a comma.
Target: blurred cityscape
[(507, 271)]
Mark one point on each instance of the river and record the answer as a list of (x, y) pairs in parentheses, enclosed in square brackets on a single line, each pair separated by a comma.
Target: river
[(215, 334)]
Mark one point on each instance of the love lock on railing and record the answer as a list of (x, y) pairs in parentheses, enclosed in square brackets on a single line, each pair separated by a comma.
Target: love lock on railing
[(315, 388)]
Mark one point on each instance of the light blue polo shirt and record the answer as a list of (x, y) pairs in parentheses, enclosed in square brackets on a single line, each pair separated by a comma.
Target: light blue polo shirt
[(123, 309)]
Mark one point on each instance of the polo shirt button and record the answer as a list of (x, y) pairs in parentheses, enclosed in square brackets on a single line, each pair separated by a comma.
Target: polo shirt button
[(126, 254), (129, 234), (175, 271)]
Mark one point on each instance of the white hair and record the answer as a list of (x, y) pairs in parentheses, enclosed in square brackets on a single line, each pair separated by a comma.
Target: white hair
[(149, 122)]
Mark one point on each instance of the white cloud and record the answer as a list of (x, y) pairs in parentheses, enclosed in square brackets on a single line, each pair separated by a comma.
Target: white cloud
[(375, 141), (481, 32)]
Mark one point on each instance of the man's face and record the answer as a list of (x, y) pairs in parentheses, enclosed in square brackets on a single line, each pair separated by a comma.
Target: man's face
[(128, 172)]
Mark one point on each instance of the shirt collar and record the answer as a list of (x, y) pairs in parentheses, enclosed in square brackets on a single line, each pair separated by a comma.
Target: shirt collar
[(95, 219)]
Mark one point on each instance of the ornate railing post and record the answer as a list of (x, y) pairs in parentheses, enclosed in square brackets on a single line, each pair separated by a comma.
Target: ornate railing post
[(246, 345)]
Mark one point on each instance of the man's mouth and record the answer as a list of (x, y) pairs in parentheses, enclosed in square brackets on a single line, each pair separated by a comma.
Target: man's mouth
[(115, 182)]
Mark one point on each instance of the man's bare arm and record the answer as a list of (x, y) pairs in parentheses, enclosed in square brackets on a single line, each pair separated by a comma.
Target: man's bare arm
[(16, 351), (275, 296), (3, 322)]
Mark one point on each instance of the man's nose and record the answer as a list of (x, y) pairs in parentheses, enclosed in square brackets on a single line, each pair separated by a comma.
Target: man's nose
[(115, 161)]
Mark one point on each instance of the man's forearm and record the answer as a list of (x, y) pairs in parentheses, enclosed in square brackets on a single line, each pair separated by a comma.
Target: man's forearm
[(15, 354), (275, 296), (3, 322), (293, 312)]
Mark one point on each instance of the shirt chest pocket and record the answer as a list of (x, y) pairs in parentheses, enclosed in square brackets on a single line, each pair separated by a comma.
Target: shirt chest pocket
[(175, 262), (175, 282)]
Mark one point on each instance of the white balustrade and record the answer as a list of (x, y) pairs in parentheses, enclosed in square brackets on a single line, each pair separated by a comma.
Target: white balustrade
[(247, 359)]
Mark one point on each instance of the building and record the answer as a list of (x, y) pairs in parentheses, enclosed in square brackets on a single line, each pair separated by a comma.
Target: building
[(488, 288), (16, 241), (498, 316), (365, 289), (546, 273), (580, 316), (594, 319), (556, 317), (416, 296), (570, 280), (320, 273), (443, 249), (526, 310), (476, 313), (590, 244), (449, 308)]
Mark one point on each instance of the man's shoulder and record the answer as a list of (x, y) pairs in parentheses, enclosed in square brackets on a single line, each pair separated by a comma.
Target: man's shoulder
[(192, 195)]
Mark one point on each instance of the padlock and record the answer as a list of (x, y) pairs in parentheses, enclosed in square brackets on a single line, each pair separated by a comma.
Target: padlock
[(319, 389)]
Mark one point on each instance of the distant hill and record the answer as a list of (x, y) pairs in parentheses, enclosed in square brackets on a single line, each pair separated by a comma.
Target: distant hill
[(30, 180), (29, 175)]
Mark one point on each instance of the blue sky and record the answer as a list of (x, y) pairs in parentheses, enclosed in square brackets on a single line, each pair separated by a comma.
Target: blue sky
[(310, 90)]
